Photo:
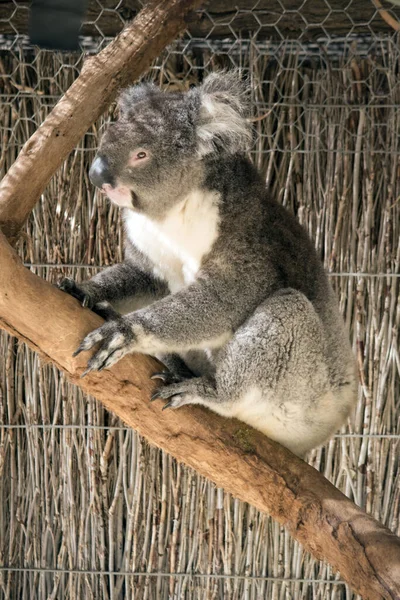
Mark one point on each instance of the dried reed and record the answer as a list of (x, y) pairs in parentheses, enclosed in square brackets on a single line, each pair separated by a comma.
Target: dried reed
[(87, 508)]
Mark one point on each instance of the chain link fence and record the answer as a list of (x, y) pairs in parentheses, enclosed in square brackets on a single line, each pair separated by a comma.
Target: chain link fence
[(87, 508)]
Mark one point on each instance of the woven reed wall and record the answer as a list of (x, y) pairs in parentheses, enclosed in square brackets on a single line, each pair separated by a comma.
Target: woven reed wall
[(87, 508)]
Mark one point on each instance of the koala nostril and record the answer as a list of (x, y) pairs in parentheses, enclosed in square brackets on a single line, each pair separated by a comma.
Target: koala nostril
[(99, 173)]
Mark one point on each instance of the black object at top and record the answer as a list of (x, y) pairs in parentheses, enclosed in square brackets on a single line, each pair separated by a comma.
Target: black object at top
[(55, 24)]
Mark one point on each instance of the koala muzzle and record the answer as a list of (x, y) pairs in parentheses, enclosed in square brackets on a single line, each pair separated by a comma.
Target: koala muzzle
[(99, 172)]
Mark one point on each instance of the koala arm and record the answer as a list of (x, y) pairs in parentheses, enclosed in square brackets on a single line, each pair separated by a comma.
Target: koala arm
[(132, 278), (195, 317), (202, 315), (206, 313), (121, 281)]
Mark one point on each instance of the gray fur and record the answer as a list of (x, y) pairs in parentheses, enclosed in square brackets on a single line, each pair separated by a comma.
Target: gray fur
[(256, 322)]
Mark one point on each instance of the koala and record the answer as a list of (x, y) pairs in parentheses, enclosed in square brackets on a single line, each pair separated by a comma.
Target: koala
[(219, 281)]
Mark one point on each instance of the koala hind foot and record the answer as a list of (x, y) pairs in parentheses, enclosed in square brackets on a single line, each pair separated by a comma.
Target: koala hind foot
[(176, 370), (197, 390)]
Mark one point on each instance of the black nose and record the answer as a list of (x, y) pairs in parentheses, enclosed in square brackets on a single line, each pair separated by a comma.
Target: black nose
[(99, 172)]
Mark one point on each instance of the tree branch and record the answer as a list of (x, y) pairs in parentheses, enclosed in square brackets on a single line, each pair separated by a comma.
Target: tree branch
[(242, 461), (386, 16), (120, 63)]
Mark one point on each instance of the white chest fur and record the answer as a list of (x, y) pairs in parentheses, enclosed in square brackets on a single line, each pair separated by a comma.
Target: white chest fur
[(177, 244)]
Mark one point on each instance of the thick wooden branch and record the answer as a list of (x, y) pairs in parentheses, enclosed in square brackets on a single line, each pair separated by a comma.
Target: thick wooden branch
[(120, 63), (240, 460)]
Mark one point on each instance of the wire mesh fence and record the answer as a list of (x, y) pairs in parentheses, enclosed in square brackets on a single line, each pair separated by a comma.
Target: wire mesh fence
[(87, 508)]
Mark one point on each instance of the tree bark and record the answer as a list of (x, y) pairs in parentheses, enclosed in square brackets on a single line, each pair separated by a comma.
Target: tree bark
[(267, 18), (236, 458), (120, 63)]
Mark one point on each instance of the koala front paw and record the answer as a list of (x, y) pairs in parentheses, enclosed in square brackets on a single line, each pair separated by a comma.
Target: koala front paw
[(103, 309), (117, 339), (69, 286)]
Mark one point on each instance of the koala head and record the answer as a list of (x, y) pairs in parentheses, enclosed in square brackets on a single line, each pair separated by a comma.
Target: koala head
[(156, 151)]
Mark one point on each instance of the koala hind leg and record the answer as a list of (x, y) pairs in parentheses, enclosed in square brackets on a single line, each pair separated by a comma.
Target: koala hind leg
[(274, 374), (278, 373)]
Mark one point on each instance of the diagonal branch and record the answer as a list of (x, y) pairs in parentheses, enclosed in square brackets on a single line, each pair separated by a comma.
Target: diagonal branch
[(120, 63), (240, 460)]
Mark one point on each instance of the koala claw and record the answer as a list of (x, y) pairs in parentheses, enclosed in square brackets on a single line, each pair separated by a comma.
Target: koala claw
[(175, 402), (69, 286), (155, 396), (174, 393), (90, 340), (170, 381), (117, 340), (163, 376), (167, 377)]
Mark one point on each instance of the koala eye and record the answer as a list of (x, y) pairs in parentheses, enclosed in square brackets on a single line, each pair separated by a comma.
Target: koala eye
[(138, 156)]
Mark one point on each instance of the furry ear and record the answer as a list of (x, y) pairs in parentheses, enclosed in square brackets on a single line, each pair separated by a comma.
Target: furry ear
[(131, 95), (224, 100)]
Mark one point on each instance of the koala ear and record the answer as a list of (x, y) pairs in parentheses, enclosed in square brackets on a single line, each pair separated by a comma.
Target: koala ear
[(222, 125), (131, 95)]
